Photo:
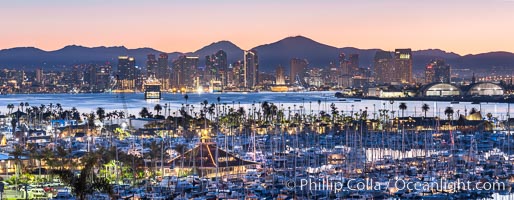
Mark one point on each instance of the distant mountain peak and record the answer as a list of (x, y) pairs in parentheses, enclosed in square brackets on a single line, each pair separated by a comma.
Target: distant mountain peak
[(23, 48), (298, 41), (72, 47), (298, 37), (221, 43), (436, 53), (75, 47), (270, 55), (212, 48), (493, 53)]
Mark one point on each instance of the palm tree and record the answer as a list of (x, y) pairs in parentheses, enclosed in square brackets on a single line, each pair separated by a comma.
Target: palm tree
[(489, 116), (240, 113), (425, 109), (75, 114), (211, 110), (144, 112), (473, 111), (100, 112), (217, 107), (10, 107), (121, 114), (35, 154), (22, 105), (42, 108), (335, 112), (155, 154), (157, 108), (273, 110), (186, 97), (88, 181), (449, 112), (58, 106), (266, 110), (90, 119), (47, 155), (35, 114), (63, 154), (13, 125), (319, 106), (17, 154), (403, 107)]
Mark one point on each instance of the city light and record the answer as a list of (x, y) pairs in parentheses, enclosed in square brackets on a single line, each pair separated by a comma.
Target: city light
[(293, 117)]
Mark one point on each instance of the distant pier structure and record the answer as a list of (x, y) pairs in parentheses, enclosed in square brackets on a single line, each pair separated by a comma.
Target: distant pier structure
[(152, 88)]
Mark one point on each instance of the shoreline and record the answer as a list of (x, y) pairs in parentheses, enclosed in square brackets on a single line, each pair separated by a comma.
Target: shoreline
[(442, 99)]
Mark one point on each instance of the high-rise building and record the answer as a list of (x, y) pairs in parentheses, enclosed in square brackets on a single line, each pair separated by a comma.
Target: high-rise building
[(349, 66), (238, 74), (185, 72), (314, 77), (76, 76), (429, 73), (437, 71), (39, 75), (209, 72), (297, 69), (342, 57), (98, 77), (163, 71), (384, 67), (354, 63), (344, 65), (217, 67), (126, 68), (220, 62), (279, 76), (251, 69), (403, 65), (151, 65), (126, 73)]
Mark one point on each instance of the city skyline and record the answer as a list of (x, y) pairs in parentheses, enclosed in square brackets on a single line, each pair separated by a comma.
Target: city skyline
[(463, 27)]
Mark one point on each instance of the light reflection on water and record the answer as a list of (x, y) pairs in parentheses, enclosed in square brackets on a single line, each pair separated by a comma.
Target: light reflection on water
[(309, 100)]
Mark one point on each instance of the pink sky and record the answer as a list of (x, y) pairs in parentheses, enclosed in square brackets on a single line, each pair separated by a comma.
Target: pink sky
[(461, 26)]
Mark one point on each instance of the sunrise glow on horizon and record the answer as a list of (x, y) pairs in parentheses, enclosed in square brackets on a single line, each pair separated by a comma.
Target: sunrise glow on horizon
[(463, 27)]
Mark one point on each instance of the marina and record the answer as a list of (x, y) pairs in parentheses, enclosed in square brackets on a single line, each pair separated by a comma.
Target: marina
[(284, 146), (256, 100)]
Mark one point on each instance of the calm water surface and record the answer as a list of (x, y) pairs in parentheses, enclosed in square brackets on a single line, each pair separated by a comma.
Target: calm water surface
[(133, 102)]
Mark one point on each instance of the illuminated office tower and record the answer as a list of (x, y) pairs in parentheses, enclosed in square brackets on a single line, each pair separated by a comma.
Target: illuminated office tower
[(185, 72), (279, 77), (438, 71), (384, 67), (151, 65), (297, 70), (126, 73), (251, 69), (403, 65)]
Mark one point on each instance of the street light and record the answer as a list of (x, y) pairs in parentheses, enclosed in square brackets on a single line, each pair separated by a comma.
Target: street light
[(124, 125), (88, 140), (49, 129), (26, 137)]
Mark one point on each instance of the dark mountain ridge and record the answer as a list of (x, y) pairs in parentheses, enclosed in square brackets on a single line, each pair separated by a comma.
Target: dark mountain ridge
[(270, 55)]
